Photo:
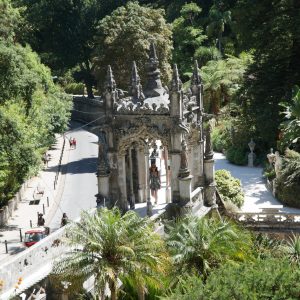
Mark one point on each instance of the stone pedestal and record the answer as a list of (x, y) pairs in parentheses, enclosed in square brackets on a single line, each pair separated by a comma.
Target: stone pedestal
[(185, 189), (209, 170), (103, 186), (251, 157)]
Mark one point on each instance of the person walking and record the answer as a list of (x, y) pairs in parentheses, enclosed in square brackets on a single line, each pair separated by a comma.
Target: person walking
[(64, 220), (41, 220), (154, 180), (74, 143)]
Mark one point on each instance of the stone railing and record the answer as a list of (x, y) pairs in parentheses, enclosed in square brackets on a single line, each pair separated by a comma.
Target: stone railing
[(31, 265), (196, 194), (158, 218), (270, 218)]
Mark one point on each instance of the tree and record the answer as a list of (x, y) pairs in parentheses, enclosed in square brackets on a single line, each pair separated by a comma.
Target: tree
[(188, 36), (112, 247), (218, 17), (222, 80), (291, 126), (203, 244), (272, 31), (9, 21), (127, 28)]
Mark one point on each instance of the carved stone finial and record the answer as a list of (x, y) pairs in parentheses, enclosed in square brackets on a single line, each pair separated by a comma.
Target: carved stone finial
[(103, 165), (152, 54), (110, 83), (184, 168), (176, 82), (154, 86), (196, 78), (135, 88), (209, 153)]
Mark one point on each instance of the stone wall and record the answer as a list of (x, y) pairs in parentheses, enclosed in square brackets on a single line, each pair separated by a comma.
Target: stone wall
[(7, 211), (87, 110)]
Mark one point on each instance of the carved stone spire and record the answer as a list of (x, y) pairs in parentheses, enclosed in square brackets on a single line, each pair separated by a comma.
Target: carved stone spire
[(176, 82), (154, 86), (209, 153), (184, 168), (110, 83), (196, 78), (135, 88)]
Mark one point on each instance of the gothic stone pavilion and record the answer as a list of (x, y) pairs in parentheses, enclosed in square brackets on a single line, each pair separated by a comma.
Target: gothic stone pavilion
[(133, 125)]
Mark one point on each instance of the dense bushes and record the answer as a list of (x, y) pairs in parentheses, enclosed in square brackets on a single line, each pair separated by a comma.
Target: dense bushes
[(229, 188), (272, 278), (288, 182), (32, 108)]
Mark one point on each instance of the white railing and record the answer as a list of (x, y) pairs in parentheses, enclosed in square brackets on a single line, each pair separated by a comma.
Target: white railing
[(263, 217), (31, 265)]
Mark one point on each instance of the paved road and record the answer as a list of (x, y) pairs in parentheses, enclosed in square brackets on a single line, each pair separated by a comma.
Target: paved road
[(256, 194), (80, 184)]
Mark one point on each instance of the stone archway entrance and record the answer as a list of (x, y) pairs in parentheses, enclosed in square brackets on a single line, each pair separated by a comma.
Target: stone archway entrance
[(133, 126)]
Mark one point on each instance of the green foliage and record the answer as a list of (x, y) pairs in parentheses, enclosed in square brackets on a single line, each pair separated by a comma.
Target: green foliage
[(222, 80), (229, 187), (131, 27), (112, 247), (288, 183), (291, 126), (236, 156), (10, 20), (272, 31), (32, 108), (188, 36), (74, 88), (221, 138), (264, 279), (203, 244)]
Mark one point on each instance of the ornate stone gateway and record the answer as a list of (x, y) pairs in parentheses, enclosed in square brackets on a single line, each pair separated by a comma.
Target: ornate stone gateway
[(133, 125)]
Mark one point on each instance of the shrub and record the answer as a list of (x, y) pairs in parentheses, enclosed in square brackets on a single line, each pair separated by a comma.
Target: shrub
[(236, 156), (229, 188), (75, 88), (288, 183), (262, 279), (220, 138)]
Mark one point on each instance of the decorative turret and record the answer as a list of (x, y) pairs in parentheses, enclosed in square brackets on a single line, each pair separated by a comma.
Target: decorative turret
[(110, 84), (154, 86), (110, 93), (176, 96), (196, 86), (135, 88), (209, 153), (176, 82)]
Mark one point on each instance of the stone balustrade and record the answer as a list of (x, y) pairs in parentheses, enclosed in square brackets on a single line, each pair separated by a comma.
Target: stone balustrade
[(268, 218), (32, 265)]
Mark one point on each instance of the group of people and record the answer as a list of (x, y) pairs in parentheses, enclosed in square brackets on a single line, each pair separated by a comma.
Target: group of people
[(41, 220), (73, 143)]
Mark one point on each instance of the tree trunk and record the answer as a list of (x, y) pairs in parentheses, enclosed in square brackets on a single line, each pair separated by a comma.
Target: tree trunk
[(89, 89), (141, 293), (113, 290)]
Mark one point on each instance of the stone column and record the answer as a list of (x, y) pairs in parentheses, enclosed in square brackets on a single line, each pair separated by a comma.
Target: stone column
[(209, 172), (122, 203), (132, 197), (141, 175), (147, 177), (166, 161)]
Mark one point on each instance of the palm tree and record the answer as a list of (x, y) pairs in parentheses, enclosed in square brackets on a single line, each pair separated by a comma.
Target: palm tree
[(218, 18), (202, 244), (223, 78), (292, 248), (110, 247)]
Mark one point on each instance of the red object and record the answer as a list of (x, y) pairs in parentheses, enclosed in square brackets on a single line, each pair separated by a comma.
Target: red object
[(34, 235)]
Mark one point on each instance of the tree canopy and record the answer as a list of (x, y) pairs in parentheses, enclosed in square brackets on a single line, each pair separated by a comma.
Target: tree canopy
[(125, 36)]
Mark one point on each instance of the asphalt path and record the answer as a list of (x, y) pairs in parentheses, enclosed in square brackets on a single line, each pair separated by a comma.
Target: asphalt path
[(80, 184)]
